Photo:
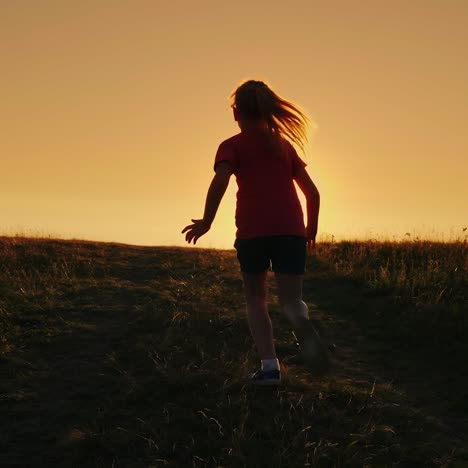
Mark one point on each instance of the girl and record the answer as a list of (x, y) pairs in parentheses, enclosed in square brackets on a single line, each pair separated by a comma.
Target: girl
[(269, 218)]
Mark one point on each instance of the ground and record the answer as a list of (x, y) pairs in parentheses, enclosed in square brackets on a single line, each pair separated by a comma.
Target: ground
[(139, 357)]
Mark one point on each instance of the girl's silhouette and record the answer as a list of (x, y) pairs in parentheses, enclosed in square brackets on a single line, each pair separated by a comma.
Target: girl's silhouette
[(269, 218)]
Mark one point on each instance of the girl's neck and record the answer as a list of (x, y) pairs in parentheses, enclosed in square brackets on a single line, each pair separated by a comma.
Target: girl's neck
[(252, 125)]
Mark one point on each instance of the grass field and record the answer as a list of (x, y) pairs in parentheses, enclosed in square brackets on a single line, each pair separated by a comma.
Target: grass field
[(115, 355)]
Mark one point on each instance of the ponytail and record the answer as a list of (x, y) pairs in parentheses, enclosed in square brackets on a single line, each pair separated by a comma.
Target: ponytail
[(254, 100)]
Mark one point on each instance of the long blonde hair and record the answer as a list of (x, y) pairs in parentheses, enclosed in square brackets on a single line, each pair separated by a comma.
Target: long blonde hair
[(255, 100)]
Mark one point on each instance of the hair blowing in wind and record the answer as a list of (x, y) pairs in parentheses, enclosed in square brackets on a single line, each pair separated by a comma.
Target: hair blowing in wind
[(255, 100)]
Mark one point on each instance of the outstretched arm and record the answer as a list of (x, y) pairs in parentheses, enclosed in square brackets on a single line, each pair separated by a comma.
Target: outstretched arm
[(215, 194), (313, 204)]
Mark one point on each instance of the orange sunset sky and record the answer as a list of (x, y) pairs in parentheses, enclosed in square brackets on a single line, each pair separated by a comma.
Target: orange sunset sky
[(112, 112)]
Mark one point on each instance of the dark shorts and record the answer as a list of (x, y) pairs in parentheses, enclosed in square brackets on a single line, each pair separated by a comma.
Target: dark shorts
[(287, 254)]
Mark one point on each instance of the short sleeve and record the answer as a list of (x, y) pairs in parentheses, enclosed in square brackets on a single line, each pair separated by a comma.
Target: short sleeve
[(296, 162), (226, 152)]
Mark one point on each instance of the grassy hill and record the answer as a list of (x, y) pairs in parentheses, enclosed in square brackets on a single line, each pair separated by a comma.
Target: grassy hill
[(115, 355)]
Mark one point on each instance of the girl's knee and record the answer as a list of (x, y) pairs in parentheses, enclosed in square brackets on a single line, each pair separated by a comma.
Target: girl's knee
[(256, 301)]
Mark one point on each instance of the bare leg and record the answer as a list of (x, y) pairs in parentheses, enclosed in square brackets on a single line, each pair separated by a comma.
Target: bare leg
[(256, 295), (290, 295)]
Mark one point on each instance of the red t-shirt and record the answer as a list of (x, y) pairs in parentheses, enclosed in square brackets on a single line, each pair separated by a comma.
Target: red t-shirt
[(267, 201)]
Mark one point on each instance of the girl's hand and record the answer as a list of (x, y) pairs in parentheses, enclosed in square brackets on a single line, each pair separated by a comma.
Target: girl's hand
[(311, 235), (195, 230)]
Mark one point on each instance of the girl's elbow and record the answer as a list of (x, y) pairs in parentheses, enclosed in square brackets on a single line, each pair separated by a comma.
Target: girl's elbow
[(314, 195)]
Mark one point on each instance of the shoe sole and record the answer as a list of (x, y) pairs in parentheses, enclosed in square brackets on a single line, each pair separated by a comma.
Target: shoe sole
[(264, 383)]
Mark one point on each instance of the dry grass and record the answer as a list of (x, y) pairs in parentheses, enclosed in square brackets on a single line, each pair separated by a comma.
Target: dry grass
[(425, 284), (418, 273), (117, 355)]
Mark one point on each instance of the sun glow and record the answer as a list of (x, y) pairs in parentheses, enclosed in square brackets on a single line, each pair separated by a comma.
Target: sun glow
[(110, 134)]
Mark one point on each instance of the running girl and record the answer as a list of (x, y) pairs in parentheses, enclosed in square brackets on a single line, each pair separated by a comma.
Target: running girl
[(269, 218)]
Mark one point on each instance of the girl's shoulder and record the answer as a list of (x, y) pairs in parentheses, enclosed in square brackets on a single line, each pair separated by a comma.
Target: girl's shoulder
[(229, 143), (232, 139)]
